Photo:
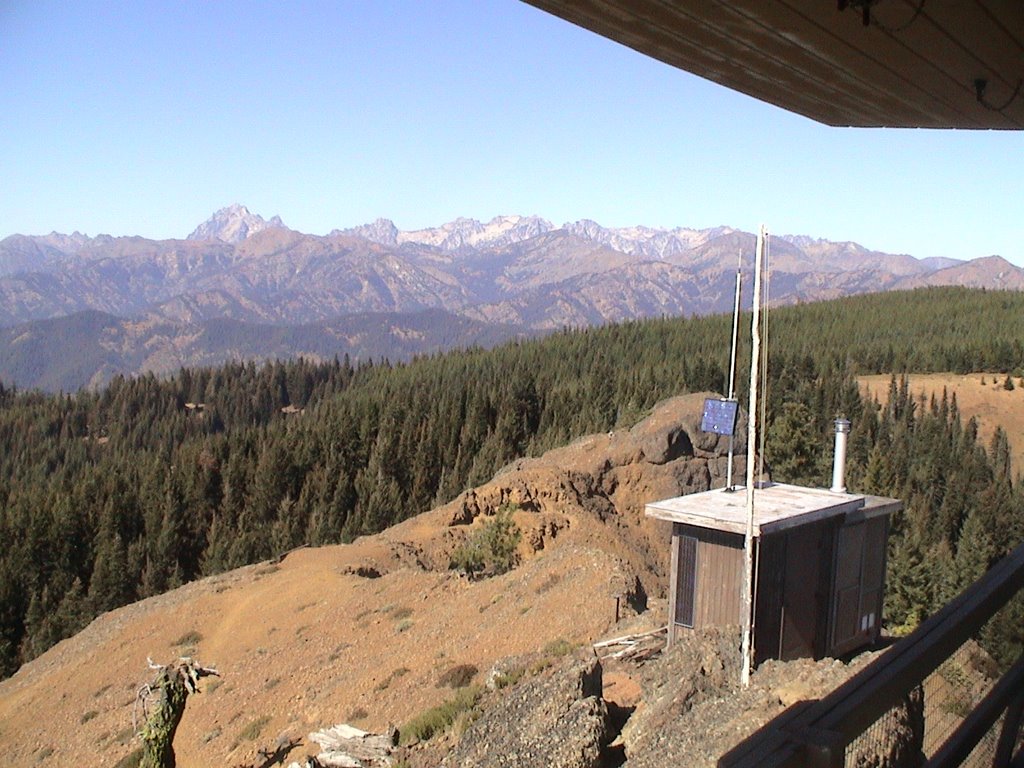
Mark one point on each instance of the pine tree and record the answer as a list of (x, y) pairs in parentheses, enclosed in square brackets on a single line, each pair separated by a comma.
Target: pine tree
[(793, 446)]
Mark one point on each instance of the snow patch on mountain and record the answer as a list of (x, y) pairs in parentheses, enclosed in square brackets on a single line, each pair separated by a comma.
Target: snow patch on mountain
[(466, 233), (650, 242)]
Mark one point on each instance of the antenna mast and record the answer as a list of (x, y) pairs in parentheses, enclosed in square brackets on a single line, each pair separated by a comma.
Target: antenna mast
[(732, 363)]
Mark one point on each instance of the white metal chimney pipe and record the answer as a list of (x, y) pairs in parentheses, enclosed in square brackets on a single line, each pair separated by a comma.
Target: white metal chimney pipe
[(839, 465)]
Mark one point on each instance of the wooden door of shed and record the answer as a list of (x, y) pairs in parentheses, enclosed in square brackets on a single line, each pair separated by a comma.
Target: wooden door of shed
[(801, 602), (859, 584), (794, 569)]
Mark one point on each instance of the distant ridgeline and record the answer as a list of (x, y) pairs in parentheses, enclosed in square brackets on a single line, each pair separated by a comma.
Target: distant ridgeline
[(112, 496)]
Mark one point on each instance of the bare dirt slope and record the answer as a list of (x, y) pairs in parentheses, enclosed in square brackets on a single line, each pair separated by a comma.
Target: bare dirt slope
[(978, 395), (362, 633)]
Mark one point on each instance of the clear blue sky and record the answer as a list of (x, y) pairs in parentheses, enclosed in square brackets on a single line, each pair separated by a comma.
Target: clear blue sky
[(144, 117)]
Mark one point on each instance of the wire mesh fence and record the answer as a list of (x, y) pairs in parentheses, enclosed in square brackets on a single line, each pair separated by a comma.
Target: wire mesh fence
[(915, 730), (949, 694)]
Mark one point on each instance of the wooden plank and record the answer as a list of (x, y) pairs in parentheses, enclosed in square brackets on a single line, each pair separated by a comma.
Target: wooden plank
[(771, 572), (776, 508), (824, 44), (944, 43), (673, 580), (801, 604), (914, 66), (719, 574), (697, 46), (927, 65)]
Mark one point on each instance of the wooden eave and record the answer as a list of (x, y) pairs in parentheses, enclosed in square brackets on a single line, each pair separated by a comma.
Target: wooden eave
[(916, 63)]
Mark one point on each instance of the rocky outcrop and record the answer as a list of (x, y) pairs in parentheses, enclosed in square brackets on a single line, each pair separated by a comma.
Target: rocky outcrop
[(694, 710), (691, 709), (609, 477), (551, 721)]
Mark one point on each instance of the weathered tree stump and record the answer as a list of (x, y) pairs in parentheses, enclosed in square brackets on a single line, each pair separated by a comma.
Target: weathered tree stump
[(163, 704)]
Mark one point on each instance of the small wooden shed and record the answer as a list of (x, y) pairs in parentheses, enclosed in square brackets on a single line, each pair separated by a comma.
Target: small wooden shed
[(819, 567)]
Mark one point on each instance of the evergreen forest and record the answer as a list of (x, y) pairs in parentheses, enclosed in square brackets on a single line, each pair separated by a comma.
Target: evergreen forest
[(107, 497)]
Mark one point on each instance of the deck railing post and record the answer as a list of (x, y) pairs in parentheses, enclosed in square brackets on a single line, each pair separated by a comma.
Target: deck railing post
[(1010, 732)]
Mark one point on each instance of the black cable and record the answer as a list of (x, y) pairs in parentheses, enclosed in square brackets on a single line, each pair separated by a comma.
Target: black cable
[(980, 84)]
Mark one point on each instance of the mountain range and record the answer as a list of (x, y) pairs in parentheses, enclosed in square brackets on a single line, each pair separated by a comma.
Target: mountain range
[(76, 310)]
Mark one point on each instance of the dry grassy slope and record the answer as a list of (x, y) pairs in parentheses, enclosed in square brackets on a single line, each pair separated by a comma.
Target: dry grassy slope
[(310, 642), (989, 403)]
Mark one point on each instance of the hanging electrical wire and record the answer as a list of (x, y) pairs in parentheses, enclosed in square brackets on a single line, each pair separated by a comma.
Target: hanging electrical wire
[(905, 25), (981, 84)]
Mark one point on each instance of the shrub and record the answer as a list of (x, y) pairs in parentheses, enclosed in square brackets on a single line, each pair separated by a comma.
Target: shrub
[(436, 720), (509, 678), (491, 549), (540, 665), (252, 731), (190, 638), (558, 647), (458, 676), (395, 674)]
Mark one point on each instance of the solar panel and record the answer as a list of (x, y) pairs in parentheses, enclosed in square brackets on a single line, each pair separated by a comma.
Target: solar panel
[(719, 416)]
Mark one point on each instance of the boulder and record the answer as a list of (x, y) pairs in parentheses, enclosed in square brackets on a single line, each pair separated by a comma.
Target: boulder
[(556, 720)]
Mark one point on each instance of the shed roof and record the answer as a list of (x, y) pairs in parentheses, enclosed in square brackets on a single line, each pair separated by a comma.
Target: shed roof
[(776, 507)]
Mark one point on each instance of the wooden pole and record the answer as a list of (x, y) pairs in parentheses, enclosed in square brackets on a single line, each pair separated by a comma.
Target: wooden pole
[(746, 617)]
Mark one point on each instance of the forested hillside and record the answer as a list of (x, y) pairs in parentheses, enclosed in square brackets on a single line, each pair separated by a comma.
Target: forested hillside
[(76, 311), (111, 496)]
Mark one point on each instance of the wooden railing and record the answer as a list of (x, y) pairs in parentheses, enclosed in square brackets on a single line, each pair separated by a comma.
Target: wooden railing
[(816, 734)]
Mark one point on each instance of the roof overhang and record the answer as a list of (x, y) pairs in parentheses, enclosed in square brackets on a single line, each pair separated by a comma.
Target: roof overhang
[(866, 63)]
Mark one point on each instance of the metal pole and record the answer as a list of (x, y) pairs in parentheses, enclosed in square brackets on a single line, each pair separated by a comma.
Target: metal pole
[(735, 328), (732, 362), (748, 542), (839, 460)]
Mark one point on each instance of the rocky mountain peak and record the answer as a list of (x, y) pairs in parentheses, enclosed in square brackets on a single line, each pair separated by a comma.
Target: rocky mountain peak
[(464, 233), (233, 224), (648, 242), (70, 244), (381, 231)]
